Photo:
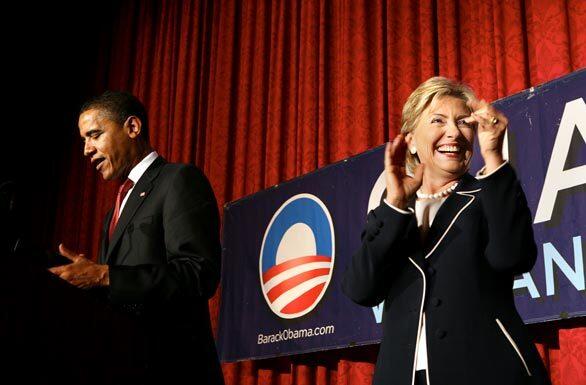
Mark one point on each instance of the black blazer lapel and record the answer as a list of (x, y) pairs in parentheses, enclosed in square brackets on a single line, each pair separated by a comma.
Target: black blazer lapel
[(447, 214), (413, 237), (139, 194), (104, 240)]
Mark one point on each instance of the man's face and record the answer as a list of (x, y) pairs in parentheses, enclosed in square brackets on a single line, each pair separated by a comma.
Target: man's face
[(107, 143)]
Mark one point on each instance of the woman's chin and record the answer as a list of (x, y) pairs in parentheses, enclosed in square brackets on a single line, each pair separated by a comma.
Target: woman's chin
[(454, 170), (453, 166)]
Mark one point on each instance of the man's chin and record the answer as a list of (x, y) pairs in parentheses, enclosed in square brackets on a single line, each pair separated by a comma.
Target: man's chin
[(107, 176)]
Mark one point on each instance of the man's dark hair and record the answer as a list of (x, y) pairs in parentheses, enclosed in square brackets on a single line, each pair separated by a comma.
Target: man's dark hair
[(119, 105)]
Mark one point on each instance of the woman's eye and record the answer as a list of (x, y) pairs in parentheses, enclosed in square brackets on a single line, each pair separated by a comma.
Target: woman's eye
[(436, 120), (463, 123)]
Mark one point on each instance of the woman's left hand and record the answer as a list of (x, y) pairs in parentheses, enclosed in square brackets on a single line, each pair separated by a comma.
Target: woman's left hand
[(492, 125)]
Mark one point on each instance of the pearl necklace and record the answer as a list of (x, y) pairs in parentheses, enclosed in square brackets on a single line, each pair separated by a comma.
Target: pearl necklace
[(439, 194)]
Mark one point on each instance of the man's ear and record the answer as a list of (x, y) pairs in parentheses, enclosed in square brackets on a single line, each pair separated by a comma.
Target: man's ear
[(133, 126)]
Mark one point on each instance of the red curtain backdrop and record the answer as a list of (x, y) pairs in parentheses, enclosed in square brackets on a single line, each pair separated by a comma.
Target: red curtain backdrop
[(257, 92)]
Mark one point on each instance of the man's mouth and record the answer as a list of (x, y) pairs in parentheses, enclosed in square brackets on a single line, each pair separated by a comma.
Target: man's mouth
[(98, 162)]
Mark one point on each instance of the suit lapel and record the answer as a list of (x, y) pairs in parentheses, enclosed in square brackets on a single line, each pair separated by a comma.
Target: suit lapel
[(447, 214), (104, 241), (413, 238), (139, 194)]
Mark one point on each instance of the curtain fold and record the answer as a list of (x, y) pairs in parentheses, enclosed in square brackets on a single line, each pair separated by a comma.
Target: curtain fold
[(257, 92)]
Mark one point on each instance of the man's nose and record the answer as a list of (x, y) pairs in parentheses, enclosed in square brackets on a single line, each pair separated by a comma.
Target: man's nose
[(88, 149)]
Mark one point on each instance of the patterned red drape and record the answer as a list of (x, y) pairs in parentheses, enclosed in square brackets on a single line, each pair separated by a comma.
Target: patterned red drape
[(257, 92)]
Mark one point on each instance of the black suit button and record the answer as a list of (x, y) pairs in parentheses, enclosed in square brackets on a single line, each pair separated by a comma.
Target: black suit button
[(436, 301), (370, 237), (440, 333), (430, 270), (379, 224), (376, 231)]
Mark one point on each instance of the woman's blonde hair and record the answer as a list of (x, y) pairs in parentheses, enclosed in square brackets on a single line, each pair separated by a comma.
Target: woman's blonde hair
[(421, 98)]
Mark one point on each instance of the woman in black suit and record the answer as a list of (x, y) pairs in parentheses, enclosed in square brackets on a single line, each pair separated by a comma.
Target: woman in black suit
[(443, 249)]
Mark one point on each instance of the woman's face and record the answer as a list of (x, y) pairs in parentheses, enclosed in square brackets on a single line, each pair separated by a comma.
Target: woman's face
[(444, 141)]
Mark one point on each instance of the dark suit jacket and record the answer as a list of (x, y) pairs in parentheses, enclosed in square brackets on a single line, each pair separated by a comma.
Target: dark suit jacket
[(164, 259), (461, 278)]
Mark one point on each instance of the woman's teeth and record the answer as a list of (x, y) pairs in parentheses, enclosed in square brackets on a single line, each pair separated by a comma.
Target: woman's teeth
[(449, 149)]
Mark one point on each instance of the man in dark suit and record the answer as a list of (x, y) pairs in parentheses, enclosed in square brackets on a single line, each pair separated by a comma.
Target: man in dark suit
[(160, 250)]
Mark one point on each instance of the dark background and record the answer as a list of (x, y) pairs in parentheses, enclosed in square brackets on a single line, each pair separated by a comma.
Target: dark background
[(51, 62), (50, 332)]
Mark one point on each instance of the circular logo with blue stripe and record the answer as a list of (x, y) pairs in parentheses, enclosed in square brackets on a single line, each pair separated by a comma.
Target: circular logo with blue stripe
[(297, 256)]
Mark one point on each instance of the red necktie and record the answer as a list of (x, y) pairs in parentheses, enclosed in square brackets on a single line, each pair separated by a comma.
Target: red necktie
[(122, 191)]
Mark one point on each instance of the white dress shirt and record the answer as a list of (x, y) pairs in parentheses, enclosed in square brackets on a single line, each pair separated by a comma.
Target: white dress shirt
[(425, 211), (135, 174)]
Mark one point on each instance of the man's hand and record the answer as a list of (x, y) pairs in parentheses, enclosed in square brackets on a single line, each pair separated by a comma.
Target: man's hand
[(82, 272)]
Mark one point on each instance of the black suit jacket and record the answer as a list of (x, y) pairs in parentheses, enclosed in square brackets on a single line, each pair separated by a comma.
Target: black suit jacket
[(164, 260), (460, 279)]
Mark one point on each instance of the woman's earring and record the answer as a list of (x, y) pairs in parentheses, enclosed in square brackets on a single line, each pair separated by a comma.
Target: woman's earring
[(413, 150)]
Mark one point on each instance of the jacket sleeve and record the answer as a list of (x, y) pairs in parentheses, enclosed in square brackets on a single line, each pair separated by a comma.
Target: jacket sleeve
[(383, 250), (191, 246), (511, 246)]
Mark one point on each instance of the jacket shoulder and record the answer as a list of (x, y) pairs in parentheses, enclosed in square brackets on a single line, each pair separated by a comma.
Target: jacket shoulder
[(182, 170), (187, 178), (468, 183)]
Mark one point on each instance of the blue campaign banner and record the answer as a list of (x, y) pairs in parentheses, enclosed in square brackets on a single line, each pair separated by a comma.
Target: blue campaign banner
[(546, 145), (285, 249)]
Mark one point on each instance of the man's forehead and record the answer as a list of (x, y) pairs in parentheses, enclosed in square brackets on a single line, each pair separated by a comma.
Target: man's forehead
[(92, 114), (90, 120), (86, 125)]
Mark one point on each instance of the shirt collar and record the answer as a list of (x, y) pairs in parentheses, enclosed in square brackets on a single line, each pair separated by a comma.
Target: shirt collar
[(142, 166)]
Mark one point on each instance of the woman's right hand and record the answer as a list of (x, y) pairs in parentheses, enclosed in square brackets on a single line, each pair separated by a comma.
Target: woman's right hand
[(400, 187)]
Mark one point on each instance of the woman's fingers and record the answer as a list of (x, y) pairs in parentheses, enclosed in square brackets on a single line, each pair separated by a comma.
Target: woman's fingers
[(494, 121), (492, 113), (418, 174), (470, 119), (395, 152), (482, 118), (492, 125), (484, 113), (476, 104), (388, 155), (416, 180), (394, 169), (399, 148)]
